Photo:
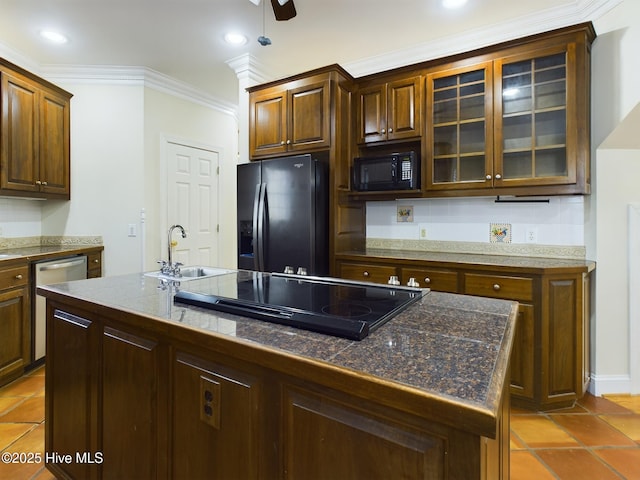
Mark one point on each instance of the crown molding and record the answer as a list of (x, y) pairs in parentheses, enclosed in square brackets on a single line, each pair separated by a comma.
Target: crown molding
[(140, 76), (550, 19)]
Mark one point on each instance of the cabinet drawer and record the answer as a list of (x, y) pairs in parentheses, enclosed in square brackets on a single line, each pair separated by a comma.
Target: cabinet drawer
[(367, 273), (498, 286), (14, 277), (435, 279)]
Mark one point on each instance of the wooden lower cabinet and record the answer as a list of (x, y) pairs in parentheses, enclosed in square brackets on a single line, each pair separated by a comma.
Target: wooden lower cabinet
[(128, 398), (15, 321), (550, 359)]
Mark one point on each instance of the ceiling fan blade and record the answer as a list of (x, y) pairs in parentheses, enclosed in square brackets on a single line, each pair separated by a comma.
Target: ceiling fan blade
[(285, 11)]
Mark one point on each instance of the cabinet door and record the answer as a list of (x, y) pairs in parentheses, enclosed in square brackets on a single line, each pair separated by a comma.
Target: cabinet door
[(309, 117), (15, 332), (54, 144), (404, 98), (372, 114), (132, 426), (460, 152), (71, 386), (19, 129), (535, 117), (268, 123), (523, 354), (216, 422)]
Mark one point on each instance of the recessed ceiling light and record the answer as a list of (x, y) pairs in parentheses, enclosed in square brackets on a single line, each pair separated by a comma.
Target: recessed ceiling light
[(233, 38), (453, 3), (53, 37)]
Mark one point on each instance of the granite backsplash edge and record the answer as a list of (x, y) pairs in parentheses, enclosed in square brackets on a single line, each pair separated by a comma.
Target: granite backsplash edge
[(509, 249), (23, 242)]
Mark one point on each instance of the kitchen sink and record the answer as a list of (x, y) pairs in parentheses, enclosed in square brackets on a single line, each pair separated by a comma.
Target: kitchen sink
[(191, 273)]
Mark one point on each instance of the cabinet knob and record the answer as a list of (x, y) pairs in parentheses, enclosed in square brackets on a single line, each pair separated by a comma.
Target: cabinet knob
[(44, 183), (427, 280), (95, 260), (498, 176), (288, 142), (383, 131), (19, 277), (496, 287), (38, 182), (488, 177), (365, 274), (391, 130), (282, 142)]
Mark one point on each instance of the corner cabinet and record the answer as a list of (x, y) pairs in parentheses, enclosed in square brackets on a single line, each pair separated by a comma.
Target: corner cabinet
[(515, 123), (35, 136), (550, 358), (293, 115)]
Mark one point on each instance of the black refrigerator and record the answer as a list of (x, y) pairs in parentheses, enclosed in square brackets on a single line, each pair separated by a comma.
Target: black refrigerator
[(283, 215)]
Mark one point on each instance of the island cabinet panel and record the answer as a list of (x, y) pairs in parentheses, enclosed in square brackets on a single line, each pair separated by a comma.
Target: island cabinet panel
[(15, 324), (216, 423), (130, 374), (324, 439), (71, 413)]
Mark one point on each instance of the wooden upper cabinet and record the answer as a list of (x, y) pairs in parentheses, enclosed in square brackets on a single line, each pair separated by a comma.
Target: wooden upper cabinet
[(516, 124), (293, 117), (35, 132), (390, 111)]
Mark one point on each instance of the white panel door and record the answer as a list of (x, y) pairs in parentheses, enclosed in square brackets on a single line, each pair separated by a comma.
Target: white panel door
[(192, 202)]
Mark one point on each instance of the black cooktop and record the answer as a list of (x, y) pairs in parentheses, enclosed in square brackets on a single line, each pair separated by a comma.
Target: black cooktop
[(326, 305)]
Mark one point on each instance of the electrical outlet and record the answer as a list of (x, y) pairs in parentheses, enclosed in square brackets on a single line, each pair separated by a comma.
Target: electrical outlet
[(531, 235), (209, 404), (422, 231)]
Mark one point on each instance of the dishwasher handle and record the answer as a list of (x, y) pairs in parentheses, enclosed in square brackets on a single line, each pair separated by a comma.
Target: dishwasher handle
[(59, 266)]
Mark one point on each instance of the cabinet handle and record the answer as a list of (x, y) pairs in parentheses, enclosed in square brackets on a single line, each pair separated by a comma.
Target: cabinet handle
[(488, 177), (44, 183), (365, 274), (498, 176), (427, 280), (288, 142), (391, 130), (383, 131), (282, 142), (96, 261), (38, 182), (19, 277), (496, 287)]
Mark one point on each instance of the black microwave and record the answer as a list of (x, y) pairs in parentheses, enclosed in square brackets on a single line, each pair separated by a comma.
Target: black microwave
[(397, 171)]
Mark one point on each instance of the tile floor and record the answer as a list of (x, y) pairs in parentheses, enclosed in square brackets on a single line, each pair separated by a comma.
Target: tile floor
[(598, 439)]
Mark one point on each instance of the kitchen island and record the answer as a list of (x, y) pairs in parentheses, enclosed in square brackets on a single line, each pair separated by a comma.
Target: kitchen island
[(140, 387)]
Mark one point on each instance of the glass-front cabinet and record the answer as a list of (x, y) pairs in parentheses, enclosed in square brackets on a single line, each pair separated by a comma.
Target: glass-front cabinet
[(461, 127), (518, 120), (533, 110)]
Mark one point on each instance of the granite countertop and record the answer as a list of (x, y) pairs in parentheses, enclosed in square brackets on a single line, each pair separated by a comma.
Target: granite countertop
[(534, 264), (451, 346)]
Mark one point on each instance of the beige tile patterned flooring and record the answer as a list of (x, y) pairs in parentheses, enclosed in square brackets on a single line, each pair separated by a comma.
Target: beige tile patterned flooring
[(597, 439)]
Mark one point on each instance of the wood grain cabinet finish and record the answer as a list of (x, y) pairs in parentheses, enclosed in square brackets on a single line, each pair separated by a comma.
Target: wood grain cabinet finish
[(15, 321), (550, 358), (94, 265), (35, 136), (292, 117), (390, 111)]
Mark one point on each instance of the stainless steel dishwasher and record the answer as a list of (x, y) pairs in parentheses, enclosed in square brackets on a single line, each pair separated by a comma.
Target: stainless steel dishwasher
[(53, 271)]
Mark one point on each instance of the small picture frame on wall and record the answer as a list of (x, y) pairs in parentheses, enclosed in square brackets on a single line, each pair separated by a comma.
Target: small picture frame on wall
[(405, 213), (500, 233)]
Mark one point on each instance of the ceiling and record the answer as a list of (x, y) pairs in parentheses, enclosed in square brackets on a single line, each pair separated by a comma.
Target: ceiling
[(183, 39)]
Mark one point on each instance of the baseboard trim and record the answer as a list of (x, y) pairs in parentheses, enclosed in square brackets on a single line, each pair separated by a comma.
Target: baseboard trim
[(609, 384)]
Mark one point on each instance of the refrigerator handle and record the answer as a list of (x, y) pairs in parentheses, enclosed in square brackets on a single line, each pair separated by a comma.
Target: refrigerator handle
[(258, 226)]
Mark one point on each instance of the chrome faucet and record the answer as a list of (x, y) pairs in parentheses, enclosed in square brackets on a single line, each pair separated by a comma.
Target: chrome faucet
[(169, 267)]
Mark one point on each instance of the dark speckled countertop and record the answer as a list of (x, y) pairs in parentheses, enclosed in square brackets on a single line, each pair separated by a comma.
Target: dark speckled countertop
[(450, 346)]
